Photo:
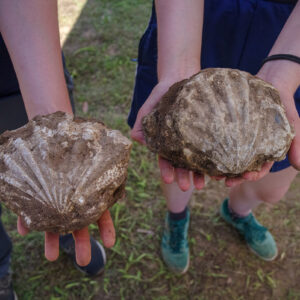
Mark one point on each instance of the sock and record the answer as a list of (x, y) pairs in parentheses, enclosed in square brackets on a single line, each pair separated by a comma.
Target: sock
[(236, 215), (178, 216)]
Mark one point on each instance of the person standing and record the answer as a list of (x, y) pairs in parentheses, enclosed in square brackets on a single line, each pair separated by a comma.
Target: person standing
[(184, 37), (33, 81)]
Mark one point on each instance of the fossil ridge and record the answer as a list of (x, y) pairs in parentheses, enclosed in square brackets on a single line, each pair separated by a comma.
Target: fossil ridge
[(61, 173), (219, 122)]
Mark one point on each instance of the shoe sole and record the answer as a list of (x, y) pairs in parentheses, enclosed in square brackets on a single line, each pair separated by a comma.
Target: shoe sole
[(187, 266), (176, 271), (102, 251), (263, 258)]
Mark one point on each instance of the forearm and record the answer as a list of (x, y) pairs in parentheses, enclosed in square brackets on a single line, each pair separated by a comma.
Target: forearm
[(179, 38), (30, 31), (284, 73)]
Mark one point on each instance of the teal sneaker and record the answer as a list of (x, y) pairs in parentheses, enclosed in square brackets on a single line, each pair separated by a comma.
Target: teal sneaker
[(174, 245), (258, 238)]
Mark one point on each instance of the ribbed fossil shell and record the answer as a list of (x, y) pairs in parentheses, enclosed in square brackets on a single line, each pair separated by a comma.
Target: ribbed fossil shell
[(219, 122), (60, 174)]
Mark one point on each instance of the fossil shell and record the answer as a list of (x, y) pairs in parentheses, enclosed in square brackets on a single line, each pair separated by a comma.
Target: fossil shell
[(60, 174), (219, 122)]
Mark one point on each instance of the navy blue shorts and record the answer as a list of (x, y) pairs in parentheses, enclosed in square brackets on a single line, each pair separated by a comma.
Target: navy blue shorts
[(236, 34)]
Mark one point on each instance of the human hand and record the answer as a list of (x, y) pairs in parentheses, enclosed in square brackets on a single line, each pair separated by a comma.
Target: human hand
[(285, 77), (81, 237), (183, 177), (248, 176), (293, 117), (169, 174), (281, 74), (158, 91)]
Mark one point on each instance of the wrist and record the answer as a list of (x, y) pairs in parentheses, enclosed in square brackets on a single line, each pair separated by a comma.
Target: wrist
[(283, 74), (177, 69), (41, 108), (177, 75)]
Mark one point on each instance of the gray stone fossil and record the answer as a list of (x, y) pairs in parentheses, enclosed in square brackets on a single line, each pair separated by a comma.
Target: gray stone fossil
[(219, 122), (61, 173)]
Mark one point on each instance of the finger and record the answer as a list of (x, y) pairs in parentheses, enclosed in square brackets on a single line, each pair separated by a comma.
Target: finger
[(137, 136), (137, 130), (82, 246), (294, 153), (231, 182), (183, 179), (220, 177), (199, 181), (250, 176), (107, 230), (21, 228), (156, 94), (253, 176), (166, 170), (51, 245)]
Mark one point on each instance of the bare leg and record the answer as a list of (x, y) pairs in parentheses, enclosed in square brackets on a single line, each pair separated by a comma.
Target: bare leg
[(271, 188), (174, 245), (176, 199)]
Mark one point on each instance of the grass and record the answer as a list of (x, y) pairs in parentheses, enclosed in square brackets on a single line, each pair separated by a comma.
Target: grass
[(100, 53)]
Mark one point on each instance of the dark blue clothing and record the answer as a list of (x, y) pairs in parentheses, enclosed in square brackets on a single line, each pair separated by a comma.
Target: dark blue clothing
[(12, 116), (5, 250), (12, 109), (236, 34)]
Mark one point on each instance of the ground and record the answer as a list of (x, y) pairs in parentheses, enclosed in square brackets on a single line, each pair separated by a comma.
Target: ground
[(101, 50)]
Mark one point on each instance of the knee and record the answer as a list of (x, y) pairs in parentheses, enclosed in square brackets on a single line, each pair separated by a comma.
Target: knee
[(271, 196)]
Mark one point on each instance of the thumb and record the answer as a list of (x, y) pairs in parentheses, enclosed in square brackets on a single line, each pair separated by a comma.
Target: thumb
[(21, 228), (158, 91), (137, 130), (294, 153)]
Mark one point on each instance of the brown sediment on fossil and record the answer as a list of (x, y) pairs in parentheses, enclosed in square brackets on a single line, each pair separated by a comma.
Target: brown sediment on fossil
[(61, 173), (219, 122)]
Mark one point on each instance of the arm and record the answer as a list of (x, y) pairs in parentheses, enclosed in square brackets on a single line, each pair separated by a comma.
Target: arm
[(179, 54), (179, 38), (179, 49), (30, 31), (285, 73), (285, 76)]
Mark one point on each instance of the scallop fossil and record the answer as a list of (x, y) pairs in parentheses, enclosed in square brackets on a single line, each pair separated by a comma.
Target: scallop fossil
[(60, 173), (219, 122)]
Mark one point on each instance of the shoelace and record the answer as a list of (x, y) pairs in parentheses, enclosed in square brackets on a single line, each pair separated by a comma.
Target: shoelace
[(176, 236), (252, 230)]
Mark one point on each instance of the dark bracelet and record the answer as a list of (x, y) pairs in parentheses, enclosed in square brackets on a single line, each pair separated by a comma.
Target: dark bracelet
[(289, 57)]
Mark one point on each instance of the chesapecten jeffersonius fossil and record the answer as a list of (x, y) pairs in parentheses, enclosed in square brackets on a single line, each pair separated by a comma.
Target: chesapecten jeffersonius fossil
[(219, 122), (61, 173)]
